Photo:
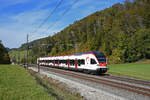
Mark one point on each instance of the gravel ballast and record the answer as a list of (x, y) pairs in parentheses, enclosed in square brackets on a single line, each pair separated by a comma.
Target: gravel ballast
[(92, 91)]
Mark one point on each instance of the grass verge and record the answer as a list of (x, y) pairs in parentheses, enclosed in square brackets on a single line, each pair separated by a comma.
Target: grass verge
[(17, 84), (135, 70), (56, 88)]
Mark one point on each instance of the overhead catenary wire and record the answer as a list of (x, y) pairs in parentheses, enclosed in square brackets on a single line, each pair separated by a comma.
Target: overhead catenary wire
[(52, 12), (66, 11)]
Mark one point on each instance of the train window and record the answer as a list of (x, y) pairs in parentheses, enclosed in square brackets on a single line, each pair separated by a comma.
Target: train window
[(60, 61), (56, 61), (50, 61), (65, 62), (93, 61), (81, 61), (72, 62)]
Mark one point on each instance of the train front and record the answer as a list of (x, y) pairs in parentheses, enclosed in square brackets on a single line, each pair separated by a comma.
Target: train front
[(102, 62)]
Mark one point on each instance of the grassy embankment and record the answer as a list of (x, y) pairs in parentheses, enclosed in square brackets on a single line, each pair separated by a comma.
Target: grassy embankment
[(139, 70), (17, 84)]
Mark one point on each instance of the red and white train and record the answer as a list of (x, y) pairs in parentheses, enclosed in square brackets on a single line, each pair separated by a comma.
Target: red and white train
[(88, 62)]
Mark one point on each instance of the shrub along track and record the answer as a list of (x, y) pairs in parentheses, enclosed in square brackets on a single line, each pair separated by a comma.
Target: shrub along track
[(92, 78)]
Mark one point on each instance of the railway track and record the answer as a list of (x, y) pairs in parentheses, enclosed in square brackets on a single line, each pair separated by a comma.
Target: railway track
[(142, 82), (99, 80)]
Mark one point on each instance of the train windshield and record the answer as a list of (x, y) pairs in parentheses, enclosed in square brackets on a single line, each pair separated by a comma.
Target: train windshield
[(101, 58)]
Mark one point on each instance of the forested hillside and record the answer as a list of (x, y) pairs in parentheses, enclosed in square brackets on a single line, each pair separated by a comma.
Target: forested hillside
[(4, 57), (122, 32)]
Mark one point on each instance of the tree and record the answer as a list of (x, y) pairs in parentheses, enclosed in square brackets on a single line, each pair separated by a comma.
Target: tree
[(121, 32), (4, 57)]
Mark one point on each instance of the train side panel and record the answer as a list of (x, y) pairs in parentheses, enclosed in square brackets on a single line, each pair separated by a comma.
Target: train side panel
[(91, 62)]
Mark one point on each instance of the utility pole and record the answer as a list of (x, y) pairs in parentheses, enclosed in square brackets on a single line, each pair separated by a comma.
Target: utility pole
[(27, 49)]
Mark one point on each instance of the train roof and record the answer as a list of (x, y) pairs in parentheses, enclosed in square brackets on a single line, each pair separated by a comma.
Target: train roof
[(95, 52)]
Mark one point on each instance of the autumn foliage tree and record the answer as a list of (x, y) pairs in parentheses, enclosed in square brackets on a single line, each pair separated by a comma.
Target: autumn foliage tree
[(122, 32)]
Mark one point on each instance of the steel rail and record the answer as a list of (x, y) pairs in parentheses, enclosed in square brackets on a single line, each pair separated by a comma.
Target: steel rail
[(142, 82), (131, 88)]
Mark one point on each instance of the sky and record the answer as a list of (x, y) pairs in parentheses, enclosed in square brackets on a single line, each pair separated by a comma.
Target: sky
[(21, 17)]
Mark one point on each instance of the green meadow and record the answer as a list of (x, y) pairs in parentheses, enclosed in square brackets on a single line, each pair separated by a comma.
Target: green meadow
[(17, 84), (135, 70)]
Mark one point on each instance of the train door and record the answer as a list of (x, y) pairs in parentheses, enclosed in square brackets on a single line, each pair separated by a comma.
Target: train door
[(53, 62), (87, 61), (68, 63), (76, 63), (58, 62)]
